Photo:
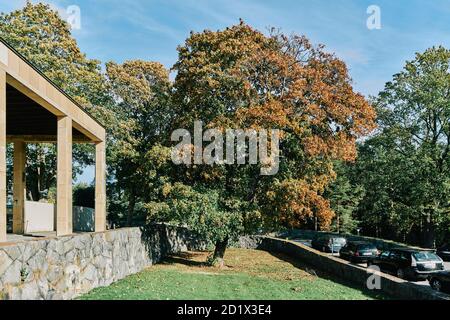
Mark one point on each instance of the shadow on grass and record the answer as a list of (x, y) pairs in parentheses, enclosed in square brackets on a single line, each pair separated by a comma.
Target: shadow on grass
[(297, 263), (184, 258)]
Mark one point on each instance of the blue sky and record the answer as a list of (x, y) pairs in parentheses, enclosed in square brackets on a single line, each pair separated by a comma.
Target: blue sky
[(120, 30), (151, 29)]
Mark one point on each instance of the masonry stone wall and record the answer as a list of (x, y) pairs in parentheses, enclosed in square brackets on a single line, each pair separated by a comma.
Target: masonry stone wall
[(65, 267)]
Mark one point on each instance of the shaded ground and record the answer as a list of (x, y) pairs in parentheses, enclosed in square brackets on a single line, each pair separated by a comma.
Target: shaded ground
[(248, 274)]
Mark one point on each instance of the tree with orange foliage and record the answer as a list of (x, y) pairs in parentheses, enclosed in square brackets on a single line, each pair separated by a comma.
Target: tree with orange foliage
[(241, 78)]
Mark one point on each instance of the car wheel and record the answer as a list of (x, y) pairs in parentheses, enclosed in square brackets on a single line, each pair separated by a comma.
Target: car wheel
[(400, 274), (436, 284)]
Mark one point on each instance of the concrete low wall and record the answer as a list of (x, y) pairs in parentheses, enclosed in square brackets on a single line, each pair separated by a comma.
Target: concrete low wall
[(65, 267), (397, 288), (39, 217)]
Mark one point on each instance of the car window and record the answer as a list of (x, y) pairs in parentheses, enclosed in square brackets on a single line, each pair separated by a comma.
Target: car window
[(385, 254), (395, 255), (339, 240), (405, 256), (425, 256), (366, 246)]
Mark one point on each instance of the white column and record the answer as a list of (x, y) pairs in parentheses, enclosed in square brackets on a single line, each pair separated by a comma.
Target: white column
[(100, 187), (64, 178)]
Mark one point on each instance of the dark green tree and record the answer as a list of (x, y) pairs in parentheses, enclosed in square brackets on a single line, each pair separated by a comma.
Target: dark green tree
[(141, 90), (405, 168), (344, 197)]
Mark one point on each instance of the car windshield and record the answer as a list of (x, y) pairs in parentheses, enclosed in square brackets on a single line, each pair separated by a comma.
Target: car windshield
[(425, 256), (338, 240), (367, 246)]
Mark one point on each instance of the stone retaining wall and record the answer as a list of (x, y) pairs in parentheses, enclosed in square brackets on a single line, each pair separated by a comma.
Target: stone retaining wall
[(65, 267), (397, 288)]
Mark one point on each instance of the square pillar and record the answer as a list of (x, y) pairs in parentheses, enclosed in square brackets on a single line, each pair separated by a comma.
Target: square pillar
[(19, 187), (64, 177), (2, 156), (100, 187)]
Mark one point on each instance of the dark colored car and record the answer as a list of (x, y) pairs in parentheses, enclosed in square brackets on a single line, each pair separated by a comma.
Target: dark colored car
[(359, 251), (410, 264), (440, 281), (328, 243), (444, 252)]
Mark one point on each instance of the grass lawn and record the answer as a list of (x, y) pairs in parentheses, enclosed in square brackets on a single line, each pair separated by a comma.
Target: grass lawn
[(249, 274)]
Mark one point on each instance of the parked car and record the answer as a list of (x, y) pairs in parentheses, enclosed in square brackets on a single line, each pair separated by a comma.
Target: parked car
[(328, 243), (410, 264), (444, 252), (440, 281), (359, 251)]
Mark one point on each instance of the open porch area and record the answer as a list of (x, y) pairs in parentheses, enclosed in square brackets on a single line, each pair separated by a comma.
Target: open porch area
[(34, 110)]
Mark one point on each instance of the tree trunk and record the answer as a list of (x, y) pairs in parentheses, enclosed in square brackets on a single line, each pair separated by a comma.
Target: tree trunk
[(219, 252), (131, 204), (33, 185), (338, 222), (377, 227), (429, 239)]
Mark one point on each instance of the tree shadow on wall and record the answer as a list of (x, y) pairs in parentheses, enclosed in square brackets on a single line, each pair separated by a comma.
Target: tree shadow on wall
[(163, 240)]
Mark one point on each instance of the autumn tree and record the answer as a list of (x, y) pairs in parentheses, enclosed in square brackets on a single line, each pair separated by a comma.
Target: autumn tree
[(241, 78), (38, 33)]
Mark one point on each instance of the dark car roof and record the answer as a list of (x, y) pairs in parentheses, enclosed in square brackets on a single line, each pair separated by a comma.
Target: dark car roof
[(330, 236), (411, 250), (358, 242)]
